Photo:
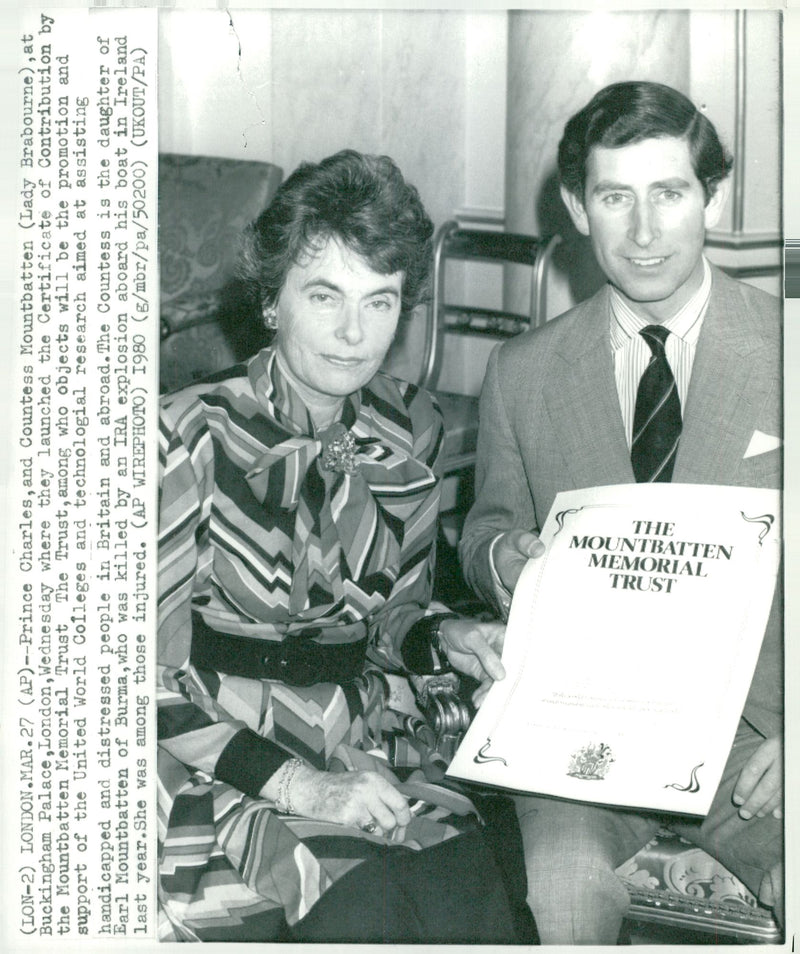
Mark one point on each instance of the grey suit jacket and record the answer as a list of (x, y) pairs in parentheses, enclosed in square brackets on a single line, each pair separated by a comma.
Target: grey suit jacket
[(550, 420)]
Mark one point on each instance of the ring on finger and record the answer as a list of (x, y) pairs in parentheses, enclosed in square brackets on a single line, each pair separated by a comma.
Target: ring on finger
[(370, 827)]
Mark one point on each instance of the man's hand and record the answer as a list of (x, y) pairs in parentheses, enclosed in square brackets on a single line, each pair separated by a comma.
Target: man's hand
[(511, 552), (759, 788), (474, 648)]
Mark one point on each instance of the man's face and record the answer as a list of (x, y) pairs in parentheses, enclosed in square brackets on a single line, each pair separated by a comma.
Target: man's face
[(645, 212)]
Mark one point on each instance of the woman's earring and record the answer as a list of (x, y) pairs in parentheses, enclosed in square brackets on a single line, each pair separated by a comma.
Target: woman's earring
[(270, 319)]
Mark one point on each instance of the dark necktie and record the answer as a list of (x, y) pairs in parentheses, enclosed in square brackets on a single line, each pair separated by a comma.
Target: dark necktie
[(657, 419)]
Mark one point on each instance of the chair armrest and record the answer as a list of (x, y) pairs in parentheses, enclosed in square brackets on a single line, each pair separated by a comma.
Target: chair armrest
[(445, 711)]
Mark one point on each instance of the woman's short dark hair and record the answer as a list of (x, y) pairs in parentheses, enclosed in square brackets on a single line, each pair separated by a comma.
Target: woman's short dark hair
[(361, 200), (625, 113)]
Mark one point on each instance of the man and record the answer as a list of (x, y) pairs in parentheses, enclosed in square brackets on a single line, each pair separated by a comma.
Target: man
[(588, 400)]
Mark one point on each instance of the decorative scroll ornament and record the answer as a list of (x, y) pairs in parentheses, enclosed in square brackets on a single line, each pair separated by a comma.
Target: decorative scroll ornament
[(694, 784), (766, 520), (483, 757), (561, 517)]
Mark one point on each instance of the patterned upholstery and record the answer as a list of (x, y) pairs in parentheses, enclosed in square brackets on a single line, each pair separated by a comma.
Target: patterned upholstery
[(674, 883), (207, 321)]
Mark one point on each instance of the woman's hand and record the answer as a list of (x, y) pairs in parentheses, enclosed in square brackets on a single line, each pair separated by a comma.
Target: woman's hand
[(348, 798), (474, 648)]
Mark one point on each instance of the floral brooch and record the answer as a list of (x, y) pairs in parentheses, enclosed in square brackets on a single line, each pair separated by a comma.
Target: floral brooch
[(339, 450)]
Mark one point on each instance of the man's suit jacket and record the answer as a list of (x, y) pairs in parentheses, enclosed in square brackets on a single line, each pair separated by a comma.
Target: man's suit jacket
[(550, 420)]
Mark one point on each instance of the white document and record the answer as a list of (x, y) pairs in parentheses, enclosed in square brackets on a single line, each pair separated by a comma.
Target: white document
[(630, 647)]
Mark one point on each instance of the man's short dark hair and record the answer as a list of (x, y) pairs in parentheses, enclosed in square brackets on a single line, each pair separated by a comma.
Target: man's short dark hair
[(362, 201), (626, 113)]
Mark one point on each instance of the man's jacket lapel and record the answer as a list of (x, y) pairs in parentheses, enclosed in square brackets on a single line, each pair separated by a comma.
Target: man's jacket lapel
[(583, 403), (726, 392)]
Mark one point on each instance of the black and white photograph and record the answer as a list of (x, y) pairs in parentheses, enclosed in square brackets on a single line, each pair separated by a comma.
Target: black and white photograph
[(317, 317)]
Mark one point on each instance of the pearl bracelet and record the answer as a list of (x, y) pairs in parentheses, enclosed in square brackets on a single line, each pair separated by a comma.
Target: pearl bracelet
[(283, 800)]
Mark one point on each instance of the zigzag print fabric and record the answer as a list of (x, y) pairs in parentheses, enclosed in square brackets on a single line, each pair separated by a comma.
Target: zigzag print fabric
[(263, 542), (233, 868)]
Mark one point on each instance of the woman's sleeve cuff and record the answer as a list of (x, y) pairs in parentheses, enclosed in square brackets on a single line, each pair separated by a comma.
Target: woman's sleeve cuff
[(420, 649), (248, 760)]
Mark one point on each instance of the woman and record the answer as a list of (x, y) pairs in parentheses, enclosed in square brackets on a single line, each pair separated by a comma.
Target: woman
[(299, 500)]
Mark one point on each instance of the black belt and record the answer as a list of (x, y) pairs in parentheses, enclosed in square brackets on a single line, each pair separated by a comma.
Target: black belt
[(295, 660)]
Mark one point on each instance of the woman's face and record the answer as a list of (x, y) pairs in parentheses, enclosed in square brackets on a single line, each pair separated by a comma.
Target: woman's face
[(336, 318)]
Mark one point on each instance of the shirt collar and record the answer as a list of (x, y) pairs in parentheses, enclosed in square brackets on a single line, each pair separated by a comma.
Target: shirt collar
[(276, 394), (686, 323)]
